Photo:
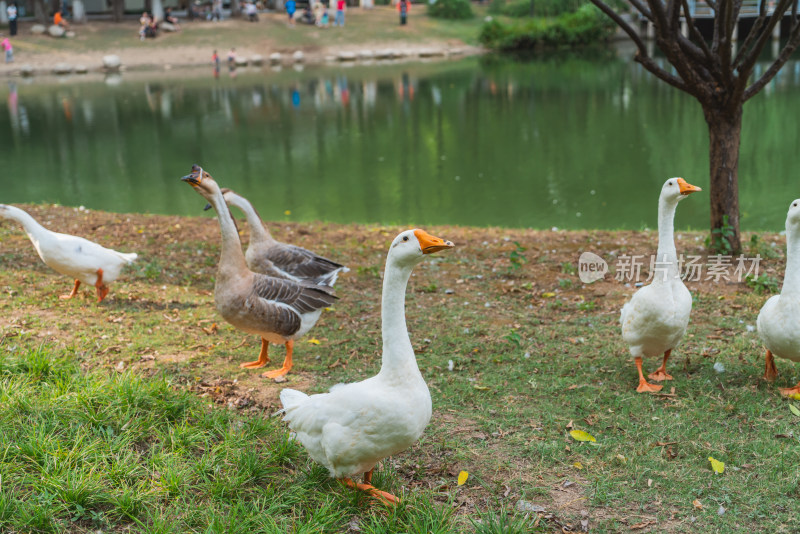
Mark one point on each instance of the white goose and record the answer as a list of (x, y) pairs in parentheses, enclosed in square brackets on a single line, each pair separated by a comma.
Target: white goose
[(268, 256), (656, 317), (76, 257), (779, 318), (351, 428)]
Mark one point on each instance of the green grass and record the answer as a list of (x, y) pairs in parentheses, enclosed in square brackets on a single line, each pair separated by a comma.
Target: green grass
[(128, 415), (98, 450)]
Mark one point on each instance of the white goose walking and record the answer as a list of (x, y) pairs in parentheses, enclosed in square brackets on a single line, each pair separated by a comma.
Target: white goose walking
[(76, 257), (354, 426), (656, 317), (779, 318)]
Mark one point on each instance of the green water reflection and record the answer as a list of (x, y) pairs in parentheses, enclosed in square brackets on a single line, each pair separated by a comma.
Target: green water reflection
[(569, 142)]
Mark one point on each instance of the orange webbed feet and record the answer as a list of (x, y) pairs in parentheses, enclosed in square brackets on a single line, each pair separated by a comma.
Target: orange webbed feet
[(644, 385), (73, 292), (770, 371), (287, 363), (659, 375), (263, 357), (381, 496), (102, 289)]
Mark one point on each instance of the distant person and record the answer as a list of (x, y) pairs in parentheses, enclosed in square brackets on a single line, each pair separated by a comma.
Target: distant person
[(170, 18), (147, 26), (232, 59), (59, 20), (9, 50), (291, 7), (215, 61), (307, 17), (325, 20), (251, 11), (403, 6), (216, 10), (12, 13), (317, 12), (341, 6)]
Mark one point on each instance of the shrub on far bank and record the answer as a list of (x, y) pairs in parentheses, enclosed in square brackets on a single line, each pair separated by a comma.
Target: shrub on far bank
[(588, 25), (450, 9), (542, 8)]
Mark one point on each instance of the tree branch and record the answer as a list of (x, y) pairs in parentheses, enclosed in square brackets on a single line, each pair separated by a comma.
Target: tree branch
[(613, 15), (783, 57), (715, 39), (751, 36), (661, 74), (751, 56), (642, 9), (695, 33)]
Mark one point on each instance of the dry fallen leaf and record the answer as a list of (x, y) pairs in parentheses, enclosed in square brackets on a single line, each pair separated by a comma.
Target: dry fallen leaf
[(314, 341), (697, 504), (480, 388), (577, 465), (548, 295), (580, 435), (794, 410), (716, 465), (462, 477), (641, 525)]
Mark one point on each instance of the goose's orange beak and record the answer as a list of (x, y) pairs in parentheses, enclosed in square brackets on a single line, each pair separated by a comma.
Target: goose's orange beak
[(687, 188), (429, 243)]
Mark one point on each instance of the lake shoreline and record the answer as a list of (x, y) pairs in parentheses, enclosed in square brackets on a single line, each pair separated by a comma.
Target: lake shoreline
[(255, 43)]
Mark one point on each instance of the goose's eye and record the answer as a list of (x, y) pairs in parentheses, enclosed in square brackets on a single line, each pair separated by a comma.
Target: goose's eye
[(794, 204), (670, 183), (405, 238)]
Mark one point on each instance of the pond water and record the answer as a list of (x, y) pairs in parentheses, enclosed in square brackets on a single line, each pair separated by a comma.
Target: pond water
[(572, 142)]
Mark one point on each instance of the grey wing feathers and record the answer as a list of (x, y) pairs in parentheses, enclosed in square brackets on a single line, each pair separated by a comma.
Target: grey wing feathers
[(302, 263), (303, 297)]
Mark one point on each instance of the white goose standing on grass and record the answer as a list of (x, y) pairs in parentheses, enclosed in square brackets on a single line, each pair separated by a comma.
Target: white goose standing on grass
[(779, 318), (354, 426), (278, 310), (268, 256), (76, 257), (655, 319)]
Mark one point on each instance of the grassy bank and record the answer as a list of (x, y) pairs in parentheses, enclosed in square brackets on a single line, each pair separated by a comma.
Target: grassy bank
[(133, 414), (372, 29)]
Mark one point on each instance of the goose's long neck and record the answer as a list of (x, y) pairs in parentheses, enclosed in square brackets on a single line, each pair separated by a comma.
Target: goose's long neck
[(231, 260), (398, 355), (36, 232), (791, 279), (258, 232), (666, 256)]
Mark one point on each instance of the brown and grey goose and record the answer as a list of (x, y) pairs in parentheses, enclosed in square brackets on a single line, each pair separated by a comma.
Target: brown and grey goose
[(279, 310), (269, 256)]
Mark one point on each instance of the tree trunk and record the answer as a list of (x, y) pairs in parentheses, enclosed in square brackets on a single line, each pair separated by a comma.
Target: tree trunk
[(533, 10), (39, 11), (118, 9), (236, 10), (724, 132)]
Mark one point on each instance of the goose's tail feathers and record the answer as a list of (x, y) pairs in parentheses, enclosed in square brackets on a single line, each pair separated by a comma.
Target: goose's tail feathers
[(291, 398)]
